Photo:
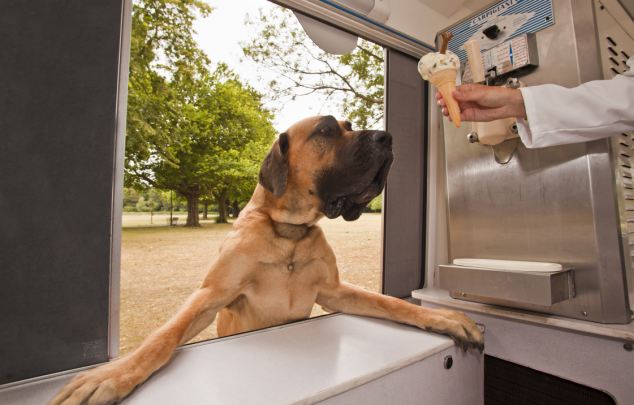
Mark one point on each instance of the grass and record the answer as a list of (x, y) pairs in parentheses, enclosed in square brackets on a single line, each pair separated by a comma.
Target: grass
[(161, 265), (160, 218)]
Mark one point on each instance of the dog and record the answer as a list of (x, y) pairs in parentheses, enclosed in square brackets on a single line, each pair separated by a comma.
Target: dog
[(275, 263)]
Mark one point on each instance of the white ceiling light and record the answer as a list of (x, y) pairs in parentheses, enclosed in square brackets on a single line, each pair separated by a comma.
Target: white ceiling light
[(336, 41)]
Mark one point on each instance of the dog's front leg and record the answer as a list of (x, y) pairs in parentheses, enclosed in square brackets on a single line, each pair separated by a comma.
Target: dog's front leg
[(111, 382), (349, 299)]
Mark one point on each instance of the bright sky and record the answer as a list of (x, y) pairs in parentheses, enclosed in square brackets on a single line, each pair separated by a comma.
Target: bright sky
[(220, 35)]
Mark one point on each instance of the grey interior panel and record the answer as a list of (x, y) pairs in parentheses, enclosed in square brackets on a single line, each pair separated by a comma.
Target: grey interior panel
[(404, 229), (58, 101)]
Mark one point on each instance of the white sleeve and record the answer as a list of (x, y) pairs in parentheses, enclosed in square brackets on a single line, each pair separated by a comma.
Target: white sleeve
[(593, 110)]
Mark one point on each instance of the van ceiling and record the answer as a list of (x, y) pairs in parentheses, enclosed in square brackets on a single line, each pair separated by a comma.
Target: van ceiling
[(450, 7)]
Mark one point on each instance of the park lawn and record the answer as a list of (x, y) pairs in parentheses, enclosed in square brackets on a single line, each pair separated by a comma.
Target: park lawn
[(161, 266), (133, 219)]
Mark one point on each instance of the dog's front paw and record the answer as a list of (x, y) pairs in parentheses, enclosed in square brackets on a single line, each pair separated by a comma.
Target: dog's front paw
[(456, 324), (463, 330), (106, 384)]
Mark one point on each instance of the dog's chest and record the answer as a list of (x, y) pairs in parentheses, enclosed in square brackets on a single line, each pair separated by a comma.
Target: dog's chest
[(287, 289), (291, 274), (287, 280)]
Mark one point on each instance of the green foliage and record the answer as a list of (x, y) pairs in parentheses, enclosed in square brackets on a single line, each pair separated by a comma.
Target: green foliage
[(164, 61), (144, 206), (222, 138), (376, 205), (151, 200), (197, 131), (130, 198), (354, 80)]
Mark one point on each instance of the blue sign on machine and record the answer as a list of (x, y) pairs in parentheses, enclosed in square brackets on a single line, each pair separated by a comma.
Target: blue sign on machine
[(512, 18)]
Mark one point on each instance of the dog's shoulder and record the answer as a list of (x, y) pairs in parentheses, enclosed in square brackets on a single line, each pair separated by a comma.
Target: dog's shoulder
[(316, 245), (248, 229)]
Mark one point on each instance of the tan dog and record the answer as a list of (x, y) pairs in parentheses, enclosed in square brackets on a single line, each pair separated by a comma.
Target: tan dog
[(276, 263)]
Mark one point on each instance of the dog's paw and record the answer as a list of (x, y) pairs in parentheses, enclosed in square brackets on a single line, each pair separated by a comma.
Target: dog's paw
[(463, 330), (103, 385), (457, 325)]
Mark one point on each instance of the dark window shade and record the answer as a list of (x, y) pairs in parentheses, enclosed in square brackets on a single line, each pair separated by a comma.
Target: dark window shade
[(58, 101), (405, 194)]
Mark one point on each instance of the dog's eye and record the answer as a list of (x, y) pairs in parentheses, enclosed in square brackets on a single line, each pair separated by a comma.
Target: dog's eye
[(347, 125), (326, 131)]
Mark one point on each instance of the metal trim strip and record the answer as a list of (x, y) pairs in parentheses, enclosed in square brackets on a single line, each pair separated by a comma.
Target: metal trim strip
[(337, 15), (117, 184)]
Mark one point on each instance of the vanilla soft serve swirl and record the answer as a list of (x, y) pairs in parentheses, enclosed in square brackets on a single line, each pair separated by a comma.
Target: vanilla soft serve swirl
[(434, 62)]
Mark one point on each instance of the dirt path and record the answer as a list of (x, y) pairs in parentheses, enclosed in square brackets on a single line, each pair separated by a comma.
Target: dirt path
[(161, 266)]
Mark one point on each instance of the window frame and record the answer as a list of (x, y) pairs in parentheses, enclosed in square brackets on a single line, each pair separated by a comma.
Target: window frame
[(403, 269), (326, 11)]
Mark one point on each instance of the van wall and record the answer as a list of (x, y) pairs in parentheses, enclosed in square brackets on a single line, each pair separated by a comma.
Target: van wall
[(422, 19)]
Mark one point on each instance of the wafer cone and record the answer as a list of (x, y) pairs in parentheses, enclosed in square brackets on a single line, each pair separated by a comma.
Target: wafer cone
[(445, 81)]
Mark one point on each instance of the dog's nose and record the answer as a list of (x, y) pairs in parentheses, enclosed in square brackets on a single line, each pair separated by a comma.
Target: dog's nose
[(383, 138)]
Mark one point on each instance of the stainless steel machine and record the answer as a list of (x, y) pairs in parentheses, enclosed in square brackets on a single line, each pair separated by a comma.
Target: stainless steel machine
[(572, 206)]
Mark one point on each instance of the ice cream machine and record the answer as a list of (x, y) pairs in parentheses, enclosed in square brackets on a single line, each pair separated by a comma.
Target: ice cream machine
[(552, 229)]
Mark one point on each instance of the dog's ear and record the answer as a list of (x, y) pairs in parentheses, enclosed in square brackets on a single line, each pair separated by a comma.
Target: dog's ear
[(274, 170)]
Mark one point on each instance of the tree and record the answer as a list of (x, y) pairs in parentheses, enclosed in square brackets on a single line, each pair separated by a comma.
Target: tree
[(187, 125), (222, 136), (162, 47), (354, 80), (165, 63), (156, 198), (243, 139), (130, 198)]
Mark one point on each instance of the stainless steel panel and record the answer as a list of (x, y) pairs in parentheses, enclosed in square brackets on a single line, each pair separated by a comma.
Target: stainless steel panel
[(554, 204), (615, 46), (533, 288)]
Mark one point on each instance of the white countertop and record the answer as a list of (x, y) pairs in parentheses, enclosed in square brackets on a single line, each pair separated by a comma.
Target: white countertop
[(442, 297), (302, 362)]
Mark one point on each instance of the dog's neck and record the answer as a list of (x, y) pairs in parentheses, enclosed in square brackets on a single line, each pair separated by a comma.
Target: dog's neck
[(289, 219), (290, 231)]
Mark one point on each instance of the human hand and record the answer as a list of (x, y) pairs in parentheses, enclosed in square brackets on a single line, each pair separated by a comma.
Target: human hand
[(486, 103)]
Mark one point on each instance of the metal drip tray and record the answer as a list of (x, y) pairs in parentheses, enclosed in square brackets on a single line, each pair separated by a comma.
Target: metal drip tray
[(507, 282)]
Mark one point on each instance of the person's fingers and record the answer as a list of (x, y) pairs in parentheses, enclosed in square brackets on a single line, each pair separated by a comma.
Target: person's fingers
[(476, 114), (438, 95), (441, 102), (469, 92)]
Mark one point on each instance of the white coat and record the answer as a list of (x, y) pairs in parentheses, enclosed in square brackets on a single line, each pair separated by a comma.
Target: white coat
[(597, 109)]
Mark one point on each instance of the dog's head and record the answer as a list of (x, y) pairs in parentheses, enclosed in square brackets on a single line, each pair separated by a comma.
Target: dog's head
[(323, 166)]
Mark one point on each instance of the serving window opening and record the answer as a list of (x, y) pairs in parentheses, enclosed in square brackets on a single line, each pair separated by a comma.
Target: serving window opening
[(211, 85)]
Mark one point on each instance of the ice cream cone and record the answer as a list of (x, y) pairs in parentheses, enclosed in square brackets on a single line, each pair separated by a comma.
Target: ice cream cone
[(445, 81)]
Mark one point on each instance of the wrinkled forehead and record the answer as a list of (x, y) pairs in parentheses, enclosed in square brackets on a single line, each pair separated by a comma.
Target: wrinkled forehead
[(326, 124)]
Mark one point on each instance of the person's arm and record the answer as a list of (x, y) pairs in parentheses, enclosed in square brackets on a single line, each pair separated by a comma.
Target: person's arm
[(551, 115), (592, 110)]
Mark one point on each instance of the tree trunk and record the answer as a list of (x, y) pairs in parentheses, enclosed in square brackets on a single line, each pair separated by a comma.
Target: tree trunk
[(205, 207), (236, 209), (192, 210), (222, 209)]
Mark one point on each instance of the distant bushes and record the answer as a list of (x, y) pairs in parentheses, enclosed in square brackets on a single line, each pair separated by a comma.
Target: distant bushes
[(376, 204), (151, 200)]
